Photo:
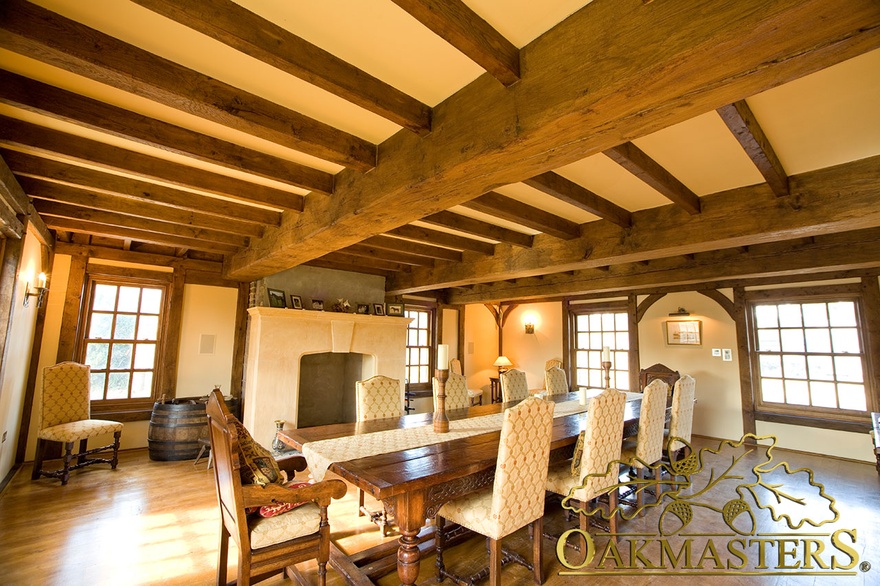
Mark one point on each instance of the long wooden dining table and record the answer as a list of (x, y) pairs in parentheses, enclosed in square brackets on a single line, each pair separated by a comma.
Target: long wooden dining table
[(413, 484)]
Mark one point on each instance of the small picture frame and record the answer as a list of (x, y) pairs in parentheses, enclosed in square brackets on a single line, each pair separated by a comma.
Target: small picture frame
[(277, 298), (684, 333), (363, 309), (378, 309), (318, 304), (395, 309), (296, 302)]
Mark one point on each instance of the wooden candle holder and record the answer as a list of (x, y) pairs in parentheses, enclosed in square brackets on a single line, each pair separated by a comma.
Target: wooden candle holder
[(441, 421)]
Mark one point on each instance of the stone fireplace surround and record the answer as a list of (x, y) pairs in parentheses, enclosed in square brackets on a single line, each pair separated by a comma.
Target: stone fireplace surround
[(279, 338)]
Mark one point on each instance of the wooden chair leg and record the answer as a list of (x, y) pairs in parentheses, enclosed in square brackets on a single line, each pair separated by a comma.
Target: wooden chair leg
[(83, 448), (115, 461), (440, 542), (612, 517), (640, 493), (68, 456), (361, 503), (244, 570), (42, 445), (537, 557), (659, 487), (494, 562), (222, 560)]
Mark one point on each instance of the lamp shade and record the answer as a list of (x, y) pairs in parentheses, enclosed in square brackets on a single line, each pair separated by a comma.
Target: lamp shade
[(502, 361)]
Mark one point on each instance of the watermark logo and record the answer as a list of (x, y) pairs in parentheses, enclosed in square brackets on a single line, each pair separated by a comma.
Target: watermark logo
[(774, 520)]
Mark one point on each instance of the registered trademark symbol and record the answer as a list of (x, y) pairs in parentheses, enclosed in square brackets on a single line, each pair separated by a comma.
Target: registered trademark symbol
[(865, 566)]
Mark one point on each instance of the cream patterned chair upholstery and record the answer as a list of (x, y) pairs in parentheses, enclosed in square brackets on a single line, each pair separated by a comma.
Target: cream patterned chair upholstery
[(514, 385), (65, 418), (599, 444), (555, 381), (553, 362), (378, 397), (456, 392), (474, 395), (682, 417), (647, 448), (516, 497)]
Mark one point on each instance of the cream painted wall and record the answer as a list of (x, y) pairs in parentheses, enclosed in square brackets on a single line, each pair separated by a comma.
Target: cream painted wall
[(480, 348), (530, 352), (206, 311)]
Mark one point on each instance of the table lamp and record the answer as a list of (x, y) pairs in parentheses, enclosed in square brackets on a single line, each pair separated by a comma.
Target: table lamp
[(503, 363)]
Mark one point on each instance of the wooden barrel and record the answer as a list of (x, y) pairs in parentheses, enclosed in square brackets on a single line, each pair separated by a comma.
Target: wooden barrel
[(177, 425)]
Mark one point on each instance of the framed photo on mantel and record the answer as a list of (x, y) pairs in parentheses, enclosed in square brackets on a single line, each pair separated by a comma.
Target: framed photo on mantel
[(276, 298)]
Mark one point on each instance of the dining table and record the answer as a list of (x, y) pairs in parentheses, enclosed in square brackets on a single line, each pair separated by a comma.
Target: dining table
[(414, 483)]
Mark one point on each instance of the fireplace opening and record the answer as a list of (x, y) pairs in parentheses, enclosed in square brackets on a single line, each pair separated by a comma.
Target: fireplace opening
[(327, 387)]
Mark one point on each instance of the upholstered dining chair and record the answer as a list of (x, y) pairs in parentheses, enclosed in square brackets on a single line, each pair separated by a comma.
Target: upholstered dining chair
[(65, 418), (646, 449), (474, 395), (456, 392), (516, 497), (598, 445), (553, 362), (514, 385), (555, 381), (681, 420), (276, 536)]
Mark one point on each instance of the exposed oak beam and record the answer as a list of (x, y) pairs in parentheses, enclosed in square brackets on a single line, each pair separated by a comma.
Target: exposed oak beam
[(461, 27), (524, 215), (42, 141), (103, 252), (396, 256), (40, 229), (11, 193), (373, 263), (413, 248), (742, 123), (59, 104), (573, 194), (570, 105), (634, 160), (348, 266), (249, 33), (31, 30), (478, 228), (427, 235)]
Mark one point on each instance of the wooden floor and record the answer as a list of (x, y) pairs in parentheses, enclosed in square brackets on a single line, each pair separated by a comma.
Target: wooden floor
[(157, 523)]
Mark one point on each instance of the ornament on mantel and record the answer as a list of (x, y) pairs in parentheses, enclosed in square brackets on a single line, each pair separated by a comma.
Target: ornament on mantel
[(342, 306)]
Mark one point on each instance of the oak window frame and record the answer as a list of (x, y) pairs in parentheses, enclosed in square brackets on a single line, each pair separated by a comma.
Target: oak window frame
[(620, 345), (430, 347)]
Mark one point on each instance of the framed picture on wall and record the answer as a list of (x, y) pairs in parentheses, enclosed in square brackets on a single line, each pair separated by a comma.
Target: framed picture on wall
[(363, 309), (378, 309), (684, 333), (296, 302), (395, 309), (318, 304), (277, 298)]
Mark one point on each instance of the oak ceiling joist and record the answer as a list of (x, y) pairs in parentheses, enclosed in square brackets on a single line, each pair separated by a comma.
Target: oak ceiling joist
[(249, 33), (836, 199), (103, 252), (396, 256), (525, 215), (414, 248), (372, 263), (81, 177), (634, 160), (57, 192), (461, 27), (478, 228), (30, 30), (436, 237), (827, 253), (40, 98), (570, 104), (573, 194), (346, 266), (46, 142), (742, 123), (13, 202)]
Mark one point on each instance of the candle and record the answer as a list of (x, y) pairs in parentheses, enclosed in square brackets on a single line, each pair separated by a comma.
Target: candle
[(41, 280), (443, 357), (582, 396), (606, 354)]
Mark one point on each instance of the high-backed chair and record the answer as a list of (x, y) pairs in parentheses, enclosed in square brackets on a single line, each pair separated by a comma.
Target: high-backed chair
[(474, 395), (657, 371), (516, 497), (553, 362), (647, 448), (265, 544), (555, 381), (598, 446), (514, 385), (456, 392), (378, 397), (65, 418), (682, 416)]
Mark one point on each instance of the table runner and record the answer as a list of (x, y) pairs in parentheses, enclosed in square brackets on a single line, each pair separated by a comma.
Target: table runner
[(321, 454)]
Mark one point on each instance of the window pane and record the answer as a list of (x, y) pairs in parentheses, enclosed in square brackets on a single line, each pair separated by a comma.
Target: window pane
[(96, 392), (621, 322), (582, 322), (597, 379), (595, 322), (129, 298), (151, 300), (424, 377), (423, 319), (423, 338), (849, 368), (622, 341), (823, 394), (772, 391), (144, 356), (582, 360), (120, 358), (794, 366), (608, 321), (818, 340), (821, 368), (768, 341), (771, 366), (845, 340), (583, 340), (424, 356), (141, 385), (100, 326), (96, 355), (117, 387), (815, 315), (105, 298), (124, 327), (412, 338), (842, 313), (148, 327), (797, 392), (792, 340), (582, 377), (765, 316), (595, 341), (852, 397), (790, 316)]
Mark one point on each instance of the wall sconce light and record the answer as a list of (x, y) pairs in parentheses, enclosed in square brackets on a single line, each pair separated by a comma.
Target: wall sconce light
[(530, 328), (681, 312), (39, 291)]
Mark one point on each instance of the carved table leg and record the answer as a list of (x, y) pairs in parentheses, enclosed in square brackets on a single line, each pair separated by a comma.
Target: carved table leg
[(409, 510)]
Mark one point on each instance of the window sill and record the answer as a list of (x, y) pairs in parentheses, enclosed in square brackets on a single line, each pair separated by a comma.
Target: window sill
[(122, 415), (815, 421)]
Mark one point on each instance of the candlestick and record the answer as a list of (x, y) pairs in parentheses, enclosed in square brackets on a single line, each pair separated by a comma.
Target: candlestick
[(443, 357), (606, 365), (441, 421)]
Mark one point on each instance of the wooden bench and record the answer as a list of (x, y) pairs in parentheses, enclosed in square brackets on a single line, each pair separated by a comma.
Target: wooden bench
[(875, 421)]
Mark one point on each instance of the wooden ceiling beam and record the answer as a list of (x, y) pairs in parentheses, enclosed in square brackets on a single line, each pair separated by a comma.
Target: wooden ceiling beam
[(46, 142), (467, 225), (147, 258), (41, 34), (373, 263), (33, 96), (525, 215), (84, 227), (837, 199), (56, 209), (461, 27), (634, 160), (47, 170), (748, 132), (582, 198), (427, 235), (570, 105), (253, 35), (397, 256), (345, 266), (78, 196), (42, 232), (13, 202), (413, 248)]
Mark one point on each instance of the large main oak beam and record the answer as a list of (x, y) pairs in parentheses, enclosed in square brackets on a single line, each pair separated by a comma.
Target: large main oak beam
[(586, 86), (836, 199)]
